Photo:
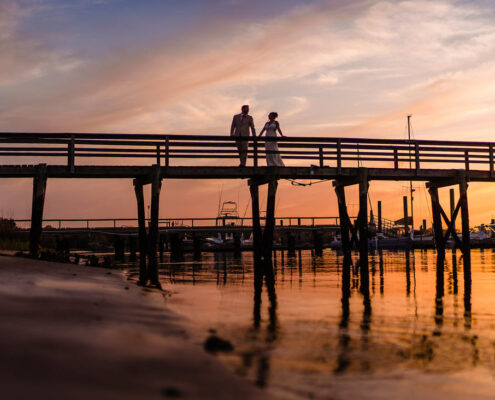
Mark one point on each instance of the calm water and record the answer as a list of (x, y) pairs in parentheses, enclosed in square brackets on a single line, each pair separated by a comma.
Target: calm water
[(425, 328)]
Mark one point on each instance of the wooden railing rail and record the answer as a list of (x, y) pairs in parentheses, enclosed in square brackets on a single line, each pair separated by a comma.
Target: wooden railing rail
[(318, 151)]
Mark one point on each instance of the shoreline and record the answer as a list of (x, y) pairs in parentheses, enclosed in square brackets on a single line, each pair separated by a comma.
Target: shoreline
[(79, 332)]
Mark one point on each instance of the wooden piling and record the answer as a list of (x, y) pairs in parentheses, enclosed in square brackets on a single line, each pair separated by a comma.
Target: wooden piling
[(270, 220), (196, 247), (291, 245), (255, 210), (176, 247), (406, 223), (119, 248), (363, 227), (161, 246), (452, 202), (156, 185), (132, 249), (39, 190), (317, 243), (143, 239), (237, 244), (343, 218), (379, 217), (437, 220), (466, 250)]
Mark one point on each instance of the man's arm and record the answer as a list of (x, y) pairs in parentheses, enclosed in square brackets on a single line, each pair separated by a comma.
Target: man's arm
[(251, 124), (232, 127)]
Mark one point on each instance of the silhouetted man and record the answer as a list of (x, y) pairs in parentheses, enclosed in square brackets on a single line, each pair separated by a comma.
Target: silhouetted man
[(240, 128)]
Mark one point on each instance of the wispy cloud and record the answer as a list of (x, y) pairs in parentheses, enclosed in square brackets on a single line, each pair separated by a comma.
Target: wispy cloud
[(328, 67)]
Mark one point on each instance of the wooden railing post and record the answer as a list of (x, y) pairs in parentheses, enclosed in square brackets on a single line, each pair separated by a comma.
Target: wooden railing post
[(70, 154), (255, 151), (466, 160), (490, 154), (416, 156), (396, 158), (339, 156), (321, 156), (158, 154), (167, 151)]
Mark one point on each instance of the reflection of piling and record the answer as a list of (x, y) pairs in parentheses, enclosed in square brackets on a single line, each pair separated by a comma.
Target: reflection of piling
[(454, 271), (343, 359), (439, 292), (408, 273), (467, 292)]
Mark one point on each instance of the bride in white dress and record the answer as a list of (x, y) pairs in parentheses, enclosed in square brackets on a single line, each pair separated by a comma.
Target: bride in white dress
[(273, 158)]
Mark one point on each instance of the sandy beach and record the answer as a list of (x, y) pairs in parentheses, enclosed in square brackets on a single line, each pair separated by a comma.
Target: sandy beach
[(74, 332)]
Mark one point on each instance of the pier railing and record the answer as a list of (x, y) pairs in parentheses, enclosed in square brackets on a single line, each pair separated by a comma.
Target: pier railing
[(89, 223), (166, 150)]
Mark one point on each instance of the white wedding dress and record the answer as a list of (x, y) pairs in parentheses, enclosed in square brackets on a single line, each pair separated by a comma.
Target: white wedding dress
[(272, 159)]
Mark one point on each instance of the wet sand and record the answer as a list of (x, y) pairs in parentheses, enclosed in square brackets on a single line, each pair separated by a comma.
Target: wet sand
[(74, 332)]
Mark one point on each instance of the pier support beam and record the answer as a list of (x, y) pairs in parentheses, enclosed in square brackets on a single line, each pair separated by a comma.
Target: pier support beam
[(143, 237), (437, 220), (270, 221), (363, 227), (463, 200), (357, 234), (345, 225), (291, 245), (439, 214), (148, 266), (39, 190), (263, 240), (255, 212), (156, 186)]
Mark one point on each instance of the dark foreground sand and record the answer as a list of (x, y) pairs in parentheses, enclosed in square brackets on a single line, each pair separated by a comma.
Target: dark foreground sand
[(72, 332)]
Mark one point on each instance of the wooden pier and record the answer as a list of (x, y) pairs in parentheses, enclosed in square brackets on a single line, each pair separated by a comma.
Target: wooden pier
[(149, 159)]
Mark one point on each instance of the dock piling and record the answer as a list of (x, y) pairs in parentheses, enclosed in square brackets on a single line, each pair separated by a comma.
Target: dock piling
[(156, 185), (39, 190), (143, 237)]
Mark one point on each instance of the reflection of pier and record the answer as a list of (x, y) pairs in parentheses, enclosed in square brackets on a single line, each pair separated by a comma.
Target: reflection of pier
[(337, 159)]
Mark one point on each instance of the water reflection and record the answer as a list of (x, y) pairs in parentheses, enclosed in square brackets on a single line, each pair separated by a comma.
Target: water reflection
[(343, 359), (326, 315), (467, 291), (264, 273), (439, 294)]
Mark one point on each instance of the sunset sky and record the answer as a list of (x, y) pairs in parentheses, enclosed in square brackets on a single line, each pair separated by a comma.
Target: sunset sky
[(329, 68)]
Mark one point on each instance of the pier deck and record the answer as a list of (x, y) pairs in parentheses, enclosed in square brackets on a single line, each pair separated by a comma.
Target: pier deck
[(149, 159)]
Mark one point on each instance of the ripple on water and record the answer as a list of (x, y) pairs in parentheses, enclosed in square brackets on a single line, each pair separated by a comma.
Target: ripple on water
[(423, 331)]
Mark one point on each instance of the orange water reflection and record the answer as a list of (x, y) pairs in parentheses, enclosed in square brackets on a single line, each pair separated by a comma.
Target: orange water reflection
[(319, 324)]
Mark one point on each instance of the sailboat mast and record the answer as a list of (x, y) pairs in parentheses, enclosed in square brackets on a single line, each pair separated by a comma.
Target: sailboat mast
[(411, 190)]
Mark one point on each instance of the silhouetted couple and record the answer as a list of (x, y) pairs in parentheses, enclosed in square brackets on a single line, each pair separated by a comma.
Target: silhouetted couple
[(243, 122)]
